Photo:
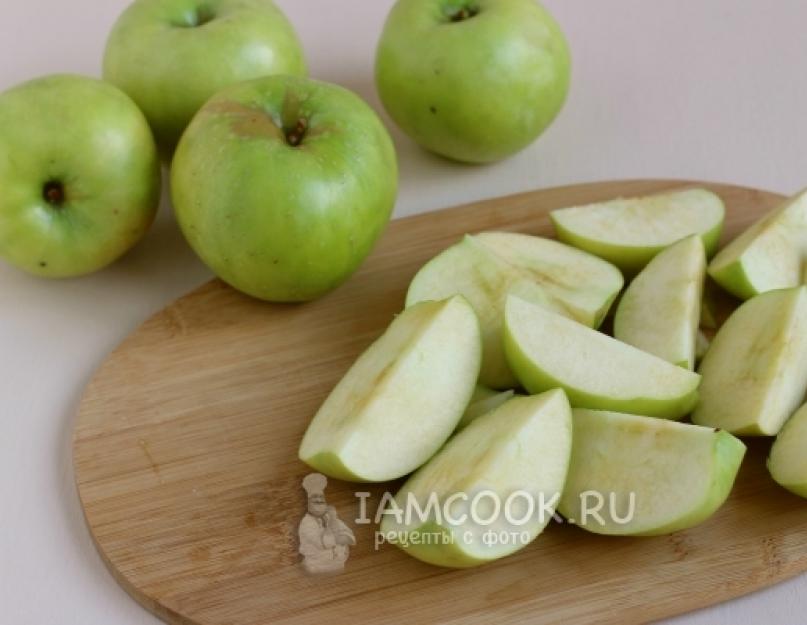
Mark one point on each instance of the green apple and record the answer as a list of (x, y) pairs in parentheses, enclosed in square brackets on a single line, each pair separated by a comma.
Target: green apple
[(755, 372), (629, 232), (170, 56), (401, 399), (788, 460), (769, 255), (636, 476), (487, 266), (79, 175), (283, 184), (472, 80), (491, 490), (482, 402), (660, 310), (546, 350)]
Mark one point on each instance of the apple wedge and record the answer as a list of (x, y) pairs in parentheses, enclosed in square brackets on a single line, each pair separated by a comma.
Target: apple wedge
[(788, 460), (486, 267), (493, 487), (636, 476), (546, 350), (483, 401), (401, 399), (660, 310), (629, 232), (769, 255), (755, 372)]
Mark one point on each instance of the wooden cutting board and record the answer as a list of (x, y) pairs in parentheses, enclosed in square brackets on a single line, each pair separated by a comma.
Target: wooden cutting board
[(185, 453)]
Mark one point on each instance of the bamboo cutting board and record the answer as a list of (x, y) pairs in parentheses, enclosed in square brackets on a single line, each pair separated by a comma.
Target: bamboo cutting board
[(185, 459)]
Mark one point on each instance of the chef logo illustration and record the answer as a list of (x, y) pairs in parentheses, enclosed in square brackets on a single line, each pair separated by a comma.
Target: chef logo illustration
[(324, 540)]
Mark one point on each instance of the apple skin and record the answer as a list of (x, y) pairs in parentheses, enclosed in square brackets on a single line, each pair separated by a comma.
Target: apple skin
[(475, 90), (631, 260), (171, 56), (90, 145), (281, 222)]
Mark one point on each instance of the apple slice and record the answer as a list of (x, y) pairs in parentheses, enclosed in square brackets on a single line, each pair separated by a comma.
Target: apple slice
[(755, 372), (660, 310), (548, 351), (483, 401), (629, 232), (517, 455), (635, 476), (769, 255), (788, 460), (486, 267), (702, 344), (401, 399)]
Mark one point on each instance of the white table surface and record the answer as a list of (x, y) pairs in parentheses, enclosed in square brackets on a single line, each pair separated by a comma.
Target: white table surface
[(712, 90)]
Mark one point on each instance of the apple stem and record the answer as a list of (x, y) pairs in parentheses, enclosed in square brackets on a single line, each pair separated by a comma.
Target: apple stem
[(295, 136), (464, 13), (53, 192)]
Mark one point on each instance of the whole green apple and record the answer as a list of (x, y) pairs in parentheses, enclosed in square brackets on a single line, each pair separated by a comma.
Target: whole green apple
[(79, 175), (473, 80), (283, 184), (170, 56)]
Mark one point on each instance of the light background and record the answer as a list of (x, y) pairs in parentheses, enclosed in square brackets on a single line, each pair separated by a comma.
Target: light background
[(711, 90)]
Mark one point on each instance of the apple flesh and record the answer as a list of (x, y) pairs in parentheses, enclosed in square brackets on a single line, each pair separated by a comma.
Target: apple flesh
[(660, 310), (637, 476), (79, 174), (401, 399), (629, 232), (282, 186), (483, 401), (521, 447), (755, 372), (472, 80), (170, 56), (769, 255), (487, 266), (788, 460), (546, 351)]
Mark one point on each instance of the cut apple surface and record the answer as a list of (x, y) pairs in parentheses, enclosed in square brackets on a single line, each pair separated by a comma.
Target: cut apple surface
[(517, 454), (629, 232), (702, 344), (486, 267), (546, 350), (660, 310), (769, 255), (788, 460), (755, 372), (482, 402), (634, 476), (401, 399)]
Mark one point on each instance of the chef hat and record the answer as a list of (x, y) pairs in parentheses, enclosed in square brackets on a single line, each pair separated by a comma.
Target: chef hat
[(314, 483)]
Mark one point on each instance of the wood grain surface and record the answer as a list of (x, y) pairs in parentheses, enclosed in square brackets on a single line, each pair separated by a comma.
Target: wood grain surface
[(185, 455)]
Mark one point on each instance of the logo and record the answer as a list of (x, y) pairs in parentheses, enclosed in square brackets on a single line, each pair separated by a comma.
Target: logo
[(325, 540)]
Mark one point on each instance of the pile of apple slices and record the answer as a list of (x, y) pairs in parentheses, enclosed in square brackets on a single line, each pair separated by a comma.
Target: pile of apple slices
[(496, 391)]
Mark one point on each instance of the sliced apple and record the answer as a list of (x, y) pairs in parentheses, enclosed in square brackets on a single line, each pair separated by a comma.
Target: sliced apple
[(546, 350), (482, 402), (769, 255), (401, 399), (702, 343), (660, 310), (629, 232), (788, 460), (486, 267), (755, 372), (636, 476), (517, 454)]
